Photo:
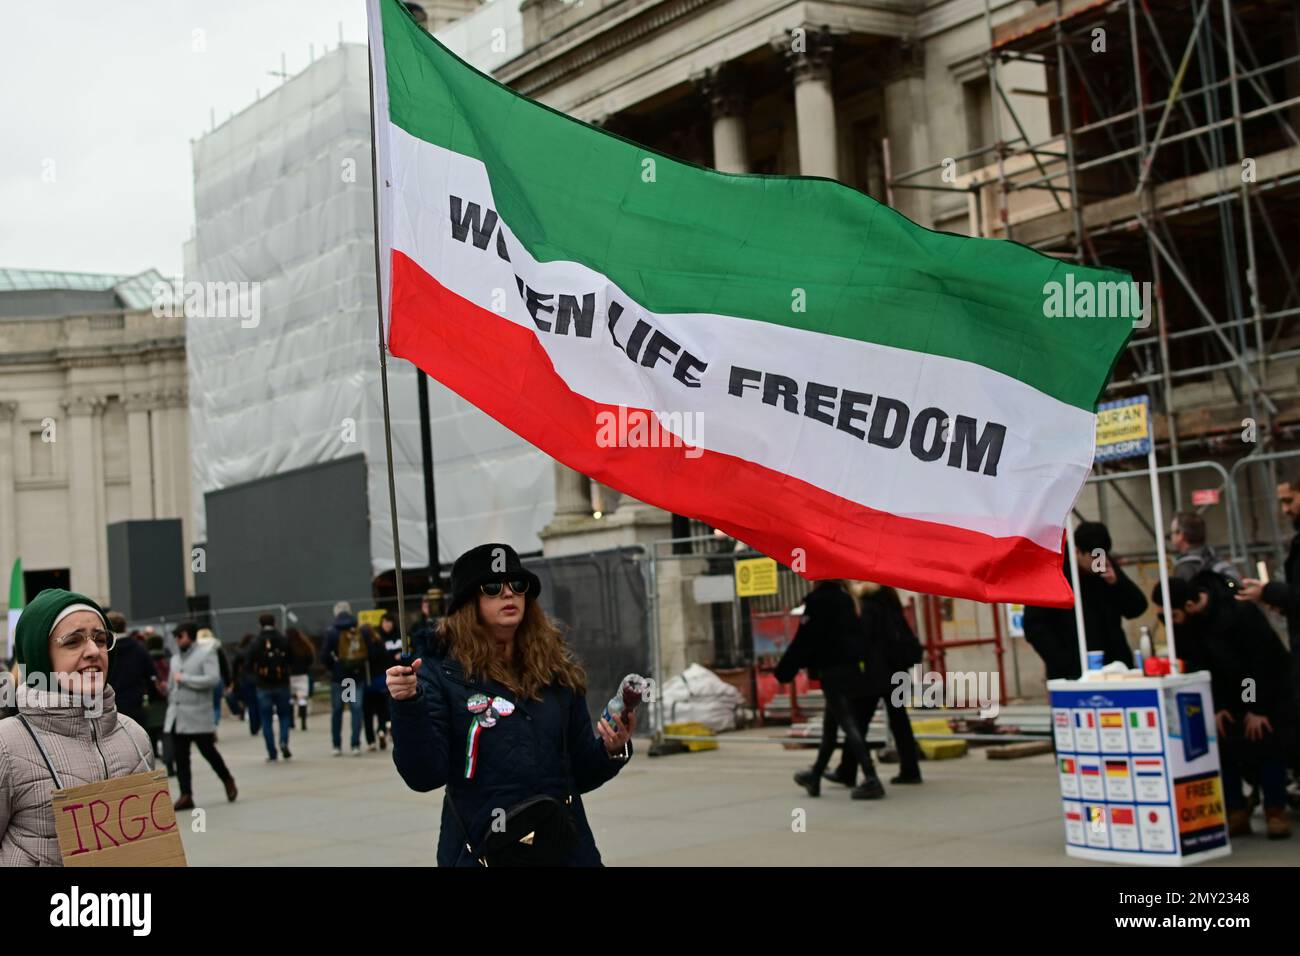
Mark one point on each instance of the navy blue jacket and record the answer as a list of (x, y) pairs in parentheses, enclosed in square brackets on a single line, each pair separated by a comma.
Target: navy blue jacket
[(521, 757)]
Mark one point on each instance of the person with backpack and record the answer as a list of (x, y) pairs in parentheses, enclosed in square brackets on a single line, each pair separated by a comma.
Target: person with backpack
[(270, 660), (1191, 554), (902, 651), (347, 657)]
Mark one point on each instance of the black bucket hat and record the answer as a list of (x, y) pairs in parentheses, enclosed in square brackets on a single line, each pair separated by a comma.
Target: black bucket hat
[(488, 562)]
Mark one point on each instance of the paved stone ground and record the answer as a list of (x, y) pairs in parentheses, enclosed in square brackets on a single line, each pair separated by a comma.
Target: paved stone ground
[(729, 807)]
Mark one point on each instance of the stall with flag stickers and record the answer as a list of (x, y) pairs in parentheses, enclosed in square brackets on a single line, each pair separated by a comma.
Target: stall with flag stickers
[(1138, 762), (1137, 757)]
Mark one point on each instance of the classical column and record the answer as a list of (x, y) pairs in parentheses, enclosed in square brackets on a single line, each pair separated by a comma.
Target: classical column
[(140, 453), (85, 524), (807, 52), (572, 494), (723, 88), (176, 453), (907, 125)]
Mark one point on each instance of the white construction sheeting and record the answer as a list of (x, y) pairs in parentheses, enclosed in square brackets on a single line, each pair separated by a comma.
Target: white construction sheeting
[(282, 195)]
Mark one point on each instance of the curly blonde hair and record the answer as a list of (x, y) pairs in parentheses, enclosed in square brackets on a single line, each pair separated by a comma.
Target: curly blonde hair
[(541, 655)]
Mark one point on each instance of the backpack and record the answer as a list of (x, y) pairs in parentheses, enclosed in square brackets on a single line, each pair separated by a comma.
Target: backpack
[(273, 663), (353, 653), (903, 649)]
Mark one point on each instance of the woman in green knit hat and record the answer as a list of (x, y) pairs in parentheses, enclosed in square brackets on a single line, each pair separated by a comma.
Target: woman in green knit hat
[(67, 732)]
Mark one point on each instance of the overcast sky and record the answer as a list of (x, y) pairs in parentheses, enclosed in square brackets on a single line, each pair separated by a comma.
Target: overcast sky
[(98, 104)]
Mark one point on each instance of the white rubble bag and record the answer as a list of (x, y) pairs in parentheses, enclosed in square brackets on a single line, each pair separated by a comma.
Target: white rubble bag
[(697, 695)]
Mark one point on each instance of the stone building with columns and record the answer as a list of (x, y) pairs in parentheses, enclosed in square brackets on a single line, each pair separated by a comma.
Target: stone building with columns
[(853, 90), (93, 421)]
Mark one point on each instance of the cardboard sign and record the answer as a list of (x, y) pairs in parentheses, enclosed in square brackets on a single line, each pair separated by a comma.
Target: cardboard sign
[(755, 576), (125, 821), (1202, 819)]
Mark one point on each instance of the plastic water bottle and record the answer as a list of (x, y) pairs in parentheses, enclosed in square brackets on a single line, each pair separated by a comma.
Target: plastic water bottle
[(625, 700), (1144, 647)]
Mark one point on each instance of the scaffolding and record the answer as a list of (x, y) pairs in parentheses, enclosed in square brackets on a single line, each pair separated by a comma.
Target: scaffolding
[(1173, 156)]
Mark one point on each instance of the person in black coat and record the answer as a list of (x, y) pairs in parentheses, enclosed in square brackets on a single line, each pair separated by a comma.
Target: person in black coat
[(1249, 668), (1108, 596), (130, 672), (843, 650), (269, 658), (902, 650), (1285, 595), (497, 712)]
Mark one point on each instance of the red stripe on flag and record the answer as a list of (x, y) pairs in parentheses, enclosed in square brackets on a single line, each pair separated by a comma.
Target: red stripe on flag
[(502, 368)]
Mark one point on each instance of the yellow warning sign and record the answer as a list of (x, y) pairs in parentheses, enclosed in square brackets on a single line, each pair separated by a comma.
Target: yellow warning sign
[(371, 617), (755, 576)]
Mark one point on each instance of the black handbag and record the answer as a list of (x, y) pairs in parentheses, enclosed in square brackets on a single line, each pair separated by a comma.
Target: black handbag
[(539, 831)]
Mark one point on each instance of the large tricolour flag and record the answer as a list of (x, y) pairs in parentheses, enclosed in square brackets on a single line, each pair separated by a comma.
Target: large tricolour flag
[(861, 397)]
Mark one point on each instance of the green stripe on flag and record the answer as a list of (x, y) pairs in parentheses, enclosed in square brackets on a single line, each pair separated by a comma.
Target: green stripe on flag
[(16, 590), (696, 240)]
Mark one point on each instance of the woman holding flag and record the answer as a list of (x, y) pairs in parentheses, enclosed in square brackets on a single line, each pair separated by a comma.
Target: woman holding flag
[(497, 712)]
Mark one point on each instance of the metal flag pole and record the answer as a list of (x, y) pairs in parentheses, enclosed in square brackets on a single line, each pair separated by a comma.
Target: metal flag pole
[(1158, 513), (383, 364), (1078, 597)]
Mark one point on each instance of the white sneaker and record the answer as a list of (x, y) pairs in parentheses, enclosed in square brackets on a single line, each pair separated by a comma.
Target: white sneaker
[(356, 751), (338, 752), (371, 747)]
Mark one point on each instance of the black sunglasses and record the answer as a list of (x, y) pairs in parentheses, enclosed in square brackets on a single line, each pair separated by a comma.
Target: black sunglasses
[(518, 586)]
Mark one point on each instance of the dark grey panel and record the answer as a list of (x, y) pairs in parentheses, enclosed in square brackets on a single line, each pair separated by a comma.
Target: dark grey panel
[(295, 538), (50, 302), (146, 567), (599, 600)]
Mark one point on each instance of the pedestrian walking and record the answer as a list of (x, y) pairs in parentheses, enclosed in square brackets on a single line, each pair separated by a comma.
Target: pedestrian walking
[(193, 673), (385, 651), (902, 651), (270, 659), (302, 657), (244, 678), (346, 655), (130, 671), (845, 652)]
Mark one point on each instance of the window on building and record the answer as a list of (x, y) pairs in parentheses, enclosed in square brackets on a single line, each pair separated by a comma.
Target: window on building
[(34, 582), (42, 455), (977, 98)]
